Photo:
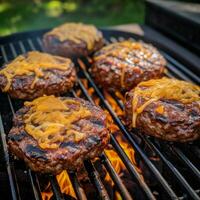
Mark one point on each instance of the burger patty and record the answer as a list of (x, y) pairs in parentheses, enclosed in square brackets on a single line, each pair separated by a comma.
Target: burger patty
[(83, 138), (29, 86), (165, 118), (122, 65), (73, 40)]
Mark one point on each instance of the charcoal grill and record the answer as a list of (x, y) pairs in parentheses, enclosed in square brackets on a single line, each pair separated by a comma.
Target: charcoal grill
[(180, 177)]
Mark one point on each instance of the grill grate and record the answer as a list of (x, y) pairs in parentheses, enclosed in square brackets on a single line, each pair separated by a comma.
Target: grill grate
[(183, 184)]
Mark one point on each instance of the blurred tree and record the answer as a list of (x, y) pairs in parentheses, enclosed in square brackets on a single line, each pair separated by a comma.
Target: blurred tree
[(33, 14)]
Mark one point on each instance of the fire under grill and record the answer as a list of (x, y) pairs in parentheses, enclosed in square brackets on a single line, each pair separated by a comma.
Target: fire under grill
[(134, 166)]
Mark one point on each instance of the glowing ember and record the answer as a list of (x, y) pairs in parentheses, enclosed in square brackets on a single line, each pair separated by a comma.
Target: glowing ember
[(117, 163)]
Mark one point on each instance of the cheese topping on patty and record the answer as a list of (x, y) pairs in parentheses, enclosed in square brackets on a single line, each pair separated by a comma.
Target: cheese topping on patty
[(77, 32), (50, 120), (33, 63), (129, 53), (165, 88)]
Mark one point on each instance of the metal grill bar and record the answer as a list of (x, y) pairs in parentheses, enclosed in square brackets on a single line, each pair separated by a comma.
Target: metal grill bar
[(122, 189), (35, 185), (187, 162), (131, 168), (177, 72), (95, 179), (56, 189), (179, 66), (9, 167), (77, 188), (173, 169)]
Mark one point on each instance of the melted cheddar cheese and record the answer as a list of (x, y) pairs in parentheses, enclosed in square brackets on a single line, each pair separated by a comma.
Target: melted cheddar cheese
[(164, 88), (34, 63), (77, 32), (50, 120)]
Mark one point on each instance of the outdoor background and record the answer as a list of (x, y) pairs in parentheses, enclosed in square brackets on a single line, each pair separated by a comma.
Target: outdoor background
[(20, 15)]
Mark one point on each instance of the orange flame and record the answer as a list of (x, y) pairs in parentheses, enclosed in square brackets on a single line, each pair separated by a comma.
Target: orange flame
[(65, 186), (117, 163), (65, 183), (47, 194)]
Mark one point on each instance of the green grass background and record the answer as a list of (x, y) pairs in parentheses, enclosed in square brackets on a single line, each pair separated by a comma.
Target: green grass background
[(21, 15)]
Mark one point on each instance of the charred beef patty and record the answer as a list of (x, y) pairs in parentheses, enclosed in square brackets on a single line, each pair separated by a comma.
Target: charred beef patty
[(165, 108), (56, 133), (122, 65), (34, 74), (73, 40)]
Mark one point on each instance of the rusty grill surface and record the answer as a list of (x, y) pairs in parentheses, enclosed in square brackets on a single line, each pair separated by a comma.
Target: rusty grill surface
[(180, 174)]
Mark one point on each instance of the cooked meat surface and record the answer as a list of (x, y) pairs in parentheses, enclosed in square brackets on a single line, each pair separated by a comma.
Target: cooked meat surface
[(73, 40), (122, 65), (34, 74), (53, 133), (165, 108)]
